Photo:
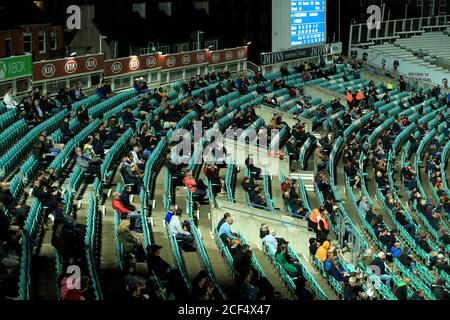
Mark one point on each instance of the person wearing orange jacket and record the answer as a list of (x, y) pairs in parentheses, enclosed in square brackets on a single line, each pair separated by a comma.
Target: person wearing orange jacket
[(323, 227), (319, 222), (359, 96), (321, 253), (349, 97)]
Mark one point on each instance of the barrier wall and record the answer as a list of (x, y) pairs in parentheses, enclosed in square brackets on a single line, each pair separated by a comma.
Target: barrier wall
[(272, 61), (406, 68), (248, 221)]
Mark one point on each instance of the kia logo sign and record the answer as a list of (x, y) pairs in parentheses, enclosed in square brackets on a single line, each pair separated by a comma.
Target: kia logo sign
[(48, 70), (229, 55), (134, 64), (91, 63), (150, 62), (241, 53), (216, 57), (70, 66), (200, 57), (186, 59), (116, 67), (171, 61)]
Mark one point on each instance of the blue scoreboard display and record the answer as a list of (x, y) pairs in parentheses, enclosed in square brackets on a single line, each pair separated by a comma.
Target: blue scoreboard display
[(307, 22)]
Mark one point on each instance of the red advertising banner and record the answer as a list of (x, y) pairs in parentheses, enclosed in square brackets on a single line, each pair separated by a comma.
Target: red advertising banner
[(48, 70), (180, 60), (45, 70), (228, 55), (130, 64)]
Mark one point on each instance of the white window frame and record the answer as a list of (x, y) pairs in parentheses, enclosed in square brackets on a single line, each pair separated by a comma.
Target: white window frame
[(42, 33), (214, 43), (26, 34), (53, 36)]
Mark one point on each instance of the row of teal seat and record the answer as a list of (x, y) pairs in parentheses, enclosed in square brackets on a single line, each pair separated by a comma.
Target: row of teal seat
[(29, 239), (10, 135), (114, 153), (8, 118), (29, 168), (18, 151), (65, 155), (92, 244), (99, 109)]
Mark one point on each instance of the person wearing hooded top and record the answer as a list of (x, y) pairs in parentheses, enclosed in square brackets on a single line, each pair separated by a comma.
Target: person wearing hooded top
[(321, 253)]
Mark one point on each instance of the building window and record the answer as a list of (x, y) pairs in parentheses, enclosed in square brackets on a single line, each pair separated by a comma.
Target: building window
[(53, 41), (42, 46), (164, 49), (213, 43), (8, 46), (27, 42)]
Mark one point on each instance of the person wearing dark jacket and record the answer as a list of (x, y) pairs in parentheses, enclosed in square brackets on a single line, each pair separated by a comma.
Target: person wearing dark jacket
[(301, 290), (125, 198), (242, 259), (402, 289), (379, 267), (128, 117), (83, 115), (352, 289), (19, 211), (65, 129), (47, 198), (313, 246), (440, 290), (165, 272), (41, 151)]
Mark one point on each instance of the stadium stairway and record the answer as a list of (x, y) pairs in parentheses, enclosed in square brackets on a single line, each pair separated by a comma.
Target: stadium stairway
[(220, 270), (157, 217)]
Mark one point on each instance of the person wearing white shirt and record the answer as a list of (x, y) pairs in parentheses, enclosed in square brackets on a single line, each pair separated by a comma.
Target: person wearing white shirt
[(271, 241), (136, 158), (9, 100), (179, 231)]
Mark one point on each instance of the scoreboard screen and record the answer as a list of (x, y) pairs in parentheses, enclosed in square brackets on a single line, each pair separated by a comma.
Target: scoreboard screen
[(307, 22)]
